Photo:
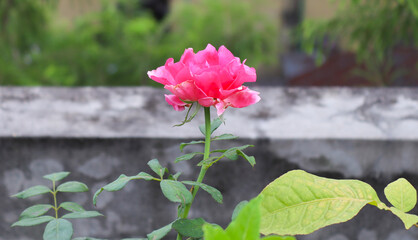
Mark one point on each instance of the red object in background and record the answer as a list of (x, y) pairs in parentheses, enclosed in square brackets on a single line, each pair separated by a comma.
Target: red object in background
[(338, 71)]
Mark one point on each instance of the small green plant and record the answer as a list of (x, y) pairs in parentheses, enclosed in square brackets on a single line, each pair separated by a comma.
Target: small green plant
[(58, 227), (175, 190)]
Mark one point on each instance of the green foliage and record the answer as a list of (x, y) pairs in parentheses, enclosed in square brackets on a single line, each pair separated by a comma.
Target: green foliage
[(215, 124), (245, 226), (189, 227), (72, 186), (371, 29), (238, 209), (120, 43), (182, 145), (187, 156), (57, 228), (215, 193), (408, 220), (32, 221), (225, 136), (176, 191), (35, 211), (300, 203), (71, 207), (402, 195), (32, 191), (196, 23), (155, 166), (57, 176), (121, 182), (160, 233)]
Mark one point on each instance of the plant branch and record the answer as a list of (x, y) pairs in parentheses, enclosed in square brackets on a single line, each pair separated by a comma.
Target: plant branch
[(204, 167)]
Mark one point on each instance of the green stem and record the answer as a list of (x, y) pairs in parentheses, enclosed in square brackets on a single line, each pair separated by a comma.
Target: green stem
[(54, 193), (204, 167)]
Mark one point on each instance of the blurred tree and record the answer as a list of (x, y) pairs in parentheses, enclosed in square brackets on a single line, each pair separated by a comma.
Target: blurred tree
[(239, 25), (120, 43), (372, 29), (20, 37)]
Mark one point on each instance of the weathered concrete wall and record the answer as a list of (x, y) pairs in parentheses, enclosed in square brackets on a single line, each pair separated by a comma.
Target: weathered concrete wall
[(99, 133)]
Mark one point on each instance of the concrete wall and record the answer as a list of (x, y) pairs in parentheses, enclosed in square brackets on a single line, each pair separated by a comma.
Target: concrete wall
[(99, 133)]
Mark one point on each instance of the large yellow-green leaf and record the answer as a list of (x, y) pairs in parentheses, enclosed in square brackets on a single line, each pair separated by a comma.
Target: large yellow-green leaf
[(300, 203)]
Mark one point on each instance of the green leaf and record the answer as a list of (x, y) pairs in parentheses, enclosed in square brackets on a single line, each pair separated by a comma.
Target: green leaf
[(90, 238), (85, 214), (35, 211), (120, 183), (56, 176), (250, 159), (401, 194), (300, 203), (226, 136), (32, 191), (187, 118), (189, 227), (187, 156), (275, 237), (215, 232), (208, 161), (244, 227), (32, 221), (182, 145), (143, 175), (238, 209), (72, 207), (58, 229), (408, 220), (160, 233), (72, 186), (213, 126), (233, 154), (215, 193), (175, 176), (247, 224), (176, 191), (135, 239), (155, 165)]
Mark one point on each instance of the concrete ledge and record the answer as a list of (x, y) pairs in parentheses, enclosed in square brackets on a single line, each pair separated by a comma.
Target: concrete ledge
[(99, 133), (283, 113)]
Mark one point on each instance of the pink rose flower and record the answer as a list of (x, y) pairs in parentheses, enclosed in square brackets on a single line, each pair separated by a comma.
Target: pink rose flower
[(209, 77)]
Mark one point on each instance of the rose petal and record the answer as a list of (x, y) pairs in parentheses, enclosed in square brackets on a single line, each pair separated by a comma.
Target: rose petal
[(207, 101), (208, 56), (225, 56), (187, 56), (173, 69), (186, 91), (243, 98), (209, 82), (161, 75), (175, 101), (220, 107), (244, 74)]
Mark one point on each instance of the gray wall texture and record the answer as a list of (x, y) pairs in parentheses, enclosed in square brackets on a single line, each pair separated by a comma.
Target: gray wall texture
[(99, 133)]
